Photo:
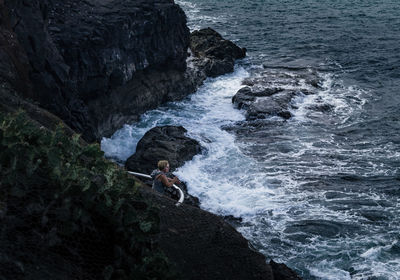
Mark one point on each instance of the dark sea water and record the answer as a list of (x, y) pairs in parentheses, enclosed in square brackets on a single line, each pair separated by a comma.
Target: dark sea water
[(320, 192)]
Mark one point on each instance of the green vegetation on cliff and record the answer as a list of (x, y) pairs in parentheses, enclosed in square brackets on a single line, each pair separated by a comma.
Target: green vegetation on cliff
[(67, 213)]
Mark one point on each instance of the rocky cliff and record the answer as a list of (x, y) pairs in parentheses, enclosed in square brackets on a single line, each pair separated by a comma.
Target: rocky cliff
[(16, 89), (100, 64), (86, 58), (97, 64)]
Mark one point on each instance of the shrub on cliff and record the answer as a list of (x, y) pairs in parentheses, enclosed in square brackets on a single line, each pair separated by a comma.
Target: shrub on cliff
[(67, 213)]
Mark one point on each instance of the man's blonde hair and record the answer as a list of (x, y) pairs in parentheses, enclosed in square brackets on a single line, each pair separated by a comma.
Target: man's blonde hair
[(162, 164)]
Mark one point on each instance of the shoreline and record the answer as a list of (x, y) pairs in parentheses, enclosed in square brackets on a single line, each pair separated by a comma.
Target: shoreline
[(95, 80)]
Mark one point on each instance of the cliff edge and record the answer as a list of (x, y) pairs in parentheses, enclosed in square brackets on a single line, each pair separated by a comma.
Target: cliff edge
[(87, 60)]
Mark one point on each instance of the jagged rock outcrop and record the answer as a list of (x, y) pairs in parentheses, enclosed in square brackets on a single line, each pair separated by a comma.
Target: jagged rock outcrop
[(14, 64), (100, 64), (14, 78), (217, 54), (266, 102), (271, 94), (87, 54)]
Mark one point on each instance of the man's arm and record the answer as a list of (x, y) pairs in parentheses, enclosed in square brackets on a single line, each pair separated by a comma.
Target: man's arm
[(167, 181)]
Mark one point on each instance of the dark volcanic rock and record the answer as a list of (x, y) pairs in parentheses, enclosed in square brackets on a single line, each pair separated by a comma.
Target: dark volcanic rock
[(282, 272), (321, 107), (14, 64), (203, 246), (270, 93), (218, 55), (99, 64), (149, 89), (83, 54), (14, 78), (163, 143), (260, 104)]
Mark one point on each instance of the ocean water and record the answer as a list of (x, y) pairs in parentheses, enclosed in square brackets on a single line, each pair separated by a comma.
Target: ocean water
[(321, 191)]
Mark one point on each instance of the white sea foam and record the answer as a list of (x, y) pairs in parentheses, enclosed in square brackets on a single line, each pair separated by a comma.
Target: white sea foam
[(269, 193), (219, 179), (327, 271), (221, 176), (202, 114), (196, 19), (375, 268), (120, 145), (282, 212), (345, 100), (372, 252)]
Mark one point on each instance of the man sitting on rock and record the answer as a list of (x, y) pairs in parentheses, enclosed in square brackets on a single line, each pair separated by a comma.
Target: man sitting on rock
[(161, 182)]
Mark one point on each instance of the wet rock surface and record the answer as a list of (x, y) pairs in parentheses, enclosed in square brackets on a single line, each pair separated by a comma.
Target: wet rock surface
[(270, 93), (149, 89), (260, 104), (165, 143), (217, 54)]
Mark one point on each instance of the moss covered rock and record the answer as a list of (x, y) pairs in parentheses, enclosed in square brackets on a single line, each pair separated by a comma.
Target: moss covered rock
[(67, 213)]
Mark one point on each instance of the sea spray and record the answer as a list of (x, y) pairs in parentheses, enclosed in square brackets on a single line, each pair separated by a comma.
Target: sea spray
[(319, 191)]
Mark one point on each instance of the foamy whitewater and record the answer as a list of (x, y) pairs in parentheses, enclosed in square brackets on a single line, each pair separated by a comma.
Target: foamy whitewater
[(321, 191)]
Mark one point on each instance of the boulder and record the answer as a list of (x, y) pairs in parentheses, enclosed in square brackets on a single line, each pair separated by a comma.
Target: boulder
[(163, 143), (217, 54)]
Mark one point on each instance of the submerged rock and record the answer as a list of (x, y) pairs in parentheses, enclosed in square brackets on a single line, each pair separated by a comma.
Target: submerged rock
[(232, 220), (271, 93), (267, 102)]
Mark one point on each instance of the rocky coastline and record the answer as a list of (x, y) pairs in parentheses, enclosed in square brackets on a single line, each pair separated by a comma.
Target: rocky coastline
[(96, 65)]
